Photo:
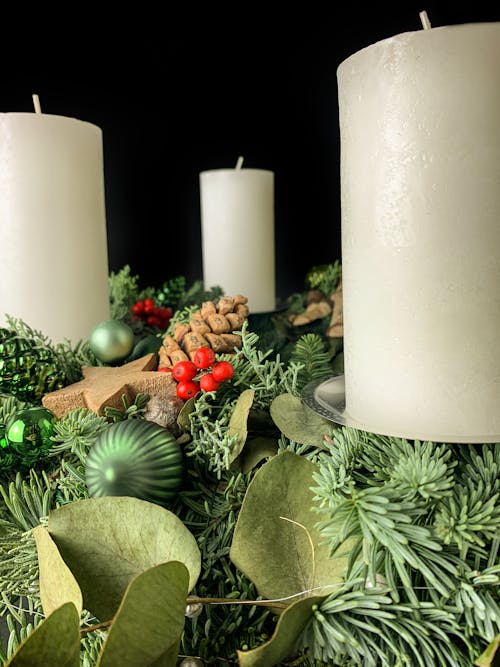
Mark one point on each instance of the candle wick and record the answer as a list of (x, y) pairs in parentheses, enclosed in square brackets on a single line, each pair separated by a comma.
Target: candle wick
[(36, 104), (426, 24), (239, 164)]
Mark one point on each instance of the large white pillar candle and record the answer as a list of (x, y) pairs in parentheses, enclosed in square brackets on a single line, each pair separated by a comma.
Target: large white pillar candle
[(420, 198), (237, 229), (53, 244)]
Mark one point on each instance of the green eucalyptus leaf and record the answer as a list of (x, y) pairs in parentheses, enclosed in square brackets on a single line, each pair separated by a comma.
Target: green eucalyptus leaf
[(298, 422), (185, 411), (238, 424), (57, 583), (487, 659), (56, 641), (148, 625), (255, 450), (275, 542), (283, 643), (108, 541)]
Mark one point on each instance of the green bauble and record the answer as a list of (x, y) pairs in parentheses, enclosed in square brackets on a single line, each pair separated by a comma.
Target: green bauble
[(28, 433), (28, 369), (135, 458), (111, 341)]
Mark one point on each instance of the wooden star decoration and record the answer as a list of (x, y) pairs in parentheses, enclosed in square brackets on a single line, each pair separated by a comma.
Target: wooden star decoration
[(104, 386)]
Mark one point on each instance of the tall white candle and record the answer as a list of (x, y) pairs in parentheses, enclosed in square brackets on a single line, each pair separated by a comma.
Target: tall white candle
[(53, 244), (237, 226), (420, 199)]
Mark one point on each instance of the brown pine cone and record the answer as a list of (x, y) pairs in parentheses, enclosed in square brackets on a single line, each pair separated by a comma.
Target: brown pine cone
[(213, 325)]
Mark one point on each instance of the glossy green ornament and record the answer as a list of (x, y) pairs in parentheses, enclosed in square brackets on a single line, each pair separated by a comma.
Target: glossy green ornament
[(135, 458), (111, 341), (28, 370), (28, 433)]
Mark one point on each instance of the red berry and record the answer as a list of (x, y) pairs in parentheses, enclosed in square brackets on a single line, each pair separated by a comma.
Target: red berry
[(165, 313), (187, 389), (138, 308), (223, 370), (208, 382), (154, 321), (204, 357), (184, 370), (149, 306), (164, 370)]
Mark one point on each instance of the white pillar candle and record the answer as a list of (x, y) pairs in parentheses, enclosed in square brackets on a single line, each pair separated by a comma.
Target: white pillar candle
[(420, 198), (53, 242), (237, 229)]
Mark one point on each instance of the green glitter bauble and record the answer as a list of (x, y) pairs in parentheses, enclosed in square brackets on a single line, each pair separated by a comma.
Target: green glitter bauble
[(135, 458), (111, 341), (28, 434)]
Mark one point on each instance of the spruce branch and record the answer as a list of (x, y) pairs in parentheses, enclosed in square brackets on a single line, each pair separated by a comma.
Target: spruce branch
[(135, 410), (470, 517), (76, 433), (365, 627), (123, 292), (310, 353), (28, 501)]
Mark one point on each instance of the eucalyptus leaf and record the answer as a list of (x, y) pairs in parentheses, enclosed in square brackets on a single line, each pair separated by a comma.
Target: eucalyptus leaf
[(56, 641), (283, 643), (238, 424), (107, 541), (148, 625), (183, 416), (255, 450), (57, 583), (275, 541), (298, 422), (487, 659)]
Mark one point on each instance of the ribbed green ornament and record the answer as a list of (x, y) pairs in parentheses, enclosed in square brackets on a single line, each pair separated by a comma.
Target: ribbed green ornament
[(135, 458)]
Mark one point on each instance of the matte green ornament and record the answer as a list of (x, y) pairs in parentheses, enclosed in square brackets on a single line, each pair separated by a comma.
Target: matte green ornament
[(111, 341), (28, 433), (135, 458)]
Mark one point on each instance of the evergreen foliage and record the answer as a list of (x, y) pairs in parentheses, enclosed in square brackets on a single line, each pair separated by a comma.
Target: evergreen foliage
[(422, 520)]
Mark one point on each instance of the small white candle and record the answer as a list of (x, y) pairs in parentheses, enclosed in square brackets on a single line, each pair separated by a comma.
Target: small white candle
[(53, 244), (420, 198), (237, 225)]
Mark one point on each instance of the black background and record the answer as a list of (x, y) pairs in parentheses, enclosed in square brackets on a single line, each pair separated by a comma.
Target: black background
[(176, 93)]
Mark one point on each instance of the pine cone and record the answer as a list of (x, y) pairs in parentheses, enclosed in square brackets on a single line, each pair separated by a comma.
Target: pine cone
[(26, 371), (211, 326)]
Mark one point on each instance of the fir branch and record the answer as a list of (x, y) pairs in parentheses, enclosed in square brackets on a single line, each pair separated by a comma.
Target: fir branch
[(18, 569), (28, 501), (470, 516), (310, 353), (479, 611), (365, 627), (134, 411), (76, 433), (70, 484), (423, 470), (326, 279), (123, 293)]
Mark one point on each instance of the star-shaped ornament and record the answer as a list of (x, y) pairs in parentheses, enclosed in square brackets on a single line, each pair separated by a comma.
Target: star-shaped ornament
[(104, 386)]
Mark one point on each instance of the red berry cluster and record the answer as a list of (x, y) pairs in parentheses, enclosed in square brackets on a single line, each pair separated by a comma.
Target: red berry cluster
[(185, 373), (153, 315)]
